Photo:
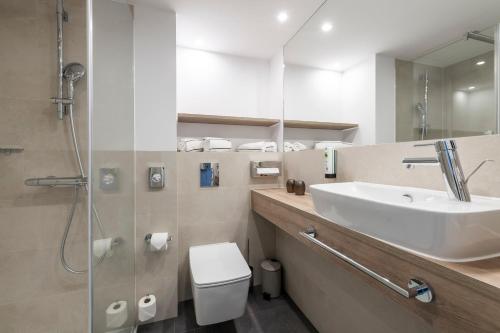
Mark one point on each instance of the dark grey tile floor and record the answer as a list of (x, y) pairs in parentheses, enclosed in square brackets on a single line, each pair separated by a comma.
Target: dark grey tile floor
[(261, 316)]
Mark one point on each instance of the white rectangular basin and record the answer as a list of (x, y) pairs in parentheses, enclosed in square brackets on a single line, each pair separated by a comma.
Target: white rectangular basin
[(422, 221)]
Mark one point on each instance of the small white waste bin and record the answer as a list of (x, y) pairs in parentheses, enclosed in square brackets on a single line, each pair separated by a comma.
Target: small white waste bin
[(271, 278)]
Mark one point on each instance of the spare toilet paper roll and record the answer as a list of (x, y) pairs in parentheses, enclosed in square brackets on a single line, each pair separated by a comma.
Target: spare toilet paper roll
[(159, 241), (102, 247), (147, 307), (116, 314)]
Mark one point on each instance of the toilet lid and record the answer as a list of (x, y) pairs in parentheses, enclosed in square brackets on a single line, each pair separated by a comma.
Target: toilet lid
[(217, 264)]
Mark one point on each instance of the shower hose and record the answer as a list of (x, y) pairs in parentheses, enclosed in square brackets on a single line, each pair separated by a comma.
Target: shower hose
[(76, 195)]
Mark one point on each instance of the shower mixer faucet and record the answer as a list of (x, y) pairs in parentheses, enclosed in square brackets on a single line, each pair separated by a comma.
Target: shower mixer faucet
[(447, 158)]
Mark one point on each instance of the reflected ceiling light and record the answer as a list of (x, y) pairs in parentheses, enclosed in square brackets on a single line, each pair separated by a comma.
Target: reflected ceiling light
[(480, 62), (199, 42), (336, 66), (327, 26), (282, 17), (471, 88)]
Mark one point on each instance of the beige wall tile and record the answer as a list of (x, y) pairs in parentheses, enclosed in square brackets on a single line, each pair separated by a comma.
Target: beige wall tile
[(37, 294), (382, 164), (306, 165), (223, 214), (61, 313), (156, 211)]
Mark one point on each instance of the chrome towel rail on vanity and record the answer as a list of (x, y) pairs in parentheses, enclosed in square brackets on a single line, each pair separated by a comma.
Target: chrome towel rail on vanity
[(416, 289)]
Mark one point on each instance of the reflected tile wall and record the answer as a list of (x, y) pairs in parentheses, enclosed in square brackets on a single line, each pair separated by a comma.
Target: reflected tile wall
[(38, 295)]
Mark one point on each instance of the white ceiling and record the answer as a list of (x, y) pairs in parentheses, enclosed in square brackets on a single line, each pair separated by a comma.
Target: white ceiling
[(241, 27), (400, 28)]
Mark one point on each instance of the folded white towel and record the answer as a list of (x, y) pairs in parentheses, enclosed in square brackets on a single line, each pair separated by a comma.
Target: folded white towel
[(296, 146), (216, 144), (263, 146), (331, 144), (189, 144)]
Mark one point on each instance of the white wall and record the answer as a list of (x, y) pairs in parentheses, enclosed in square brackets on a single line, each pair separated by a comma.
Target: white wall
[(358, 101), (220, 84), (113, 77), (472, 111), (363, 94), (228, 85), (276, 72), (385, 99), (312, 94), (155, 81)]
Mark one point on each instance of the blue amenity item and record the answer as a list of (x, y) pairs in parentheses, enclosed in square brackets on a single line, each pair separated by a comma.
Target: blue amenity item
[(205, 175), (209, 174)]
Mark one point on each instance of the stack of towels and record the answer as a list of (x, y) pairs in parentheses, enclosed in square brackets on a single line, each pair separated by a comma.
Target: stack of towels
[(296, 146), (262, 146), (331, 144), (217, 144), (189, 144), (205, 144)]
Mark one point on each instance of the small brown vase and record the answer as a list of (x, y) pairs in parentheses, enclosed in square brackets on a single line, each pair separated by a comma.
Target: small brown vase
[(290, 185), (299, 187)]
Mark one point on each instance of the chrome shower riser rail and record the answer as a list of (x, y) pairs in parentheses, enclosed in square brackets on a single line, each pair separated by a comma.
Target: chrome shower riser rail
[(60, 18), (416, 289)]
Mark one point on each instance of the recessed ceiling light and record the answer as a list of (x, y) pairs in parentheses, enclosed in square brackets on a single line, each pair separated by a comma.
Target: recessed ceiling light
[(480, 62), (282, 17), (327, 26), (471, 88)]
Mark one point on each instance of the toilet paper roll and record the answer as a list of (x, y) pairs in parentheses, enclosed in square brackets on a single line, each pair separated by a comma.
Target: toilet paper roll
[(116, 314), (159, 241), (147, 307), (102, 247)]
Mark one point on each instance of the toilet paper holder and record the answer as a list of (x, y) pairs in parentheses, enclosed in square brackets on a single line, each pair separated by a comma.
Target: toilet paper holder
[(148, 238)]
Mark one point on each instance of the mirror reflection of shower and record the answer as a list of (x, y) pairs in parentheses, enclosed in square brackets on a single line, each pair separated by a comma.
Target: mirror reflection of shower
[(423, 108), (449, 91)]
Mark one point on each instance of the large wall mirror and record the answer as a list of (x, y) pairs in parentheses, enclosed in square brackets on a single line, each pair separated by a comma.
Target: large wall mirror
[(448, 92), (382, 75)]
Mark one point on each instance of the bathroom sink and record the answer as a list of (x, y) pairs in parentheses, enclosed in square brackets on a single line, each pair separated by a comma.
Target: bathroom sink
[(425, 222)]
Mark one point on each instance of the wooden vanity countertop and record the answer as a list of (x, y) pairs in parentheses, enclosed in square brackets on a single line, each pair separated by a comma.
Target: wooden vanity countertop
[(467, 295)]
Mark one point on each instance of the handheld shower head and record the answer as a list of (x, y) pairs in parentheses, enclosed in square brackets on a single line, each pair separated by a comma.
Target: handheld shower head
[(73, 72)]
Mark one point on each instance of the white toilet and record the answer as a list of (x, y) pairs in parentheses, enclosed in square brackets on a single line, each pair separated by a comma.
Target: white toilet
[(220, 278)]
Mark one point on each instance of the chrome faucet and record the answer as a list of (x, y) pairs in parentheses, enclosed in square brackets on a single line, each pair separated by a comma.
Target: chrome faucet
[(447, 158)]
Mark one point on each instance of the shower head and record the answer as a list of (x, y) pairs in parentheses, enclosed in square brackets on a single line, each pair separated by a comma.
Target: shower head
[(74, 71), (420, 108)]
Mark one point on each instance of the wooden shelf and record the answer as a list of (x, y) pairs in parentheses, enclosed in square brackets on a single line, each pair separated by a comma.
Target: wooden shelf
[(225, 120), (318, 125)]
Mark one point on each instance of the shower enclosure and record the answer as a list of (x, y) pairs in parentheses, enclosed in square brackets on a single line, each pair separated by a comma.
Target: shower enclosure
[(55, 175), (449, 92)]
